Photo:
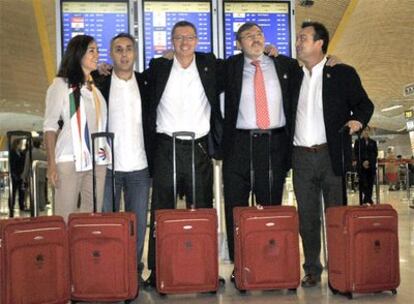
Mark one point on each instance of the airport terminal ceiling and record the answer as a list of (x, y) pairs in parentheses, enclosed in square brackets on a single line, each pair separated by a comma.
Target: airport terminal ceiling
[(373, 36)]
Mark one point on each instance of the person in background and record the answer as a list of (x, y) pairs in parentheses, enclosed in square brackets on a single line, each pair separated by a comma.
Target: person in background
[(366, 164), (73, 98), (125, 91), (325, 100), (17, 163)]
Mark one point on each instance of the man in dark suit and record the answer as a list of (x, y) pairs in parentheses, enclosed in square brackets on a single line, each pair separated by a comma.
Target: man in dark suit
[(366, 153), (184, 97), (251, 75), (325, 100), (125, 93)]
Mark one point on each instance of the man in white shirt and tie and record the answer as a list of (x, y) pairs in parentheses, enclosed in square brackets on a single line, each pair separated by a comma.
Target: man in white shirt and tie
[(257, 97)]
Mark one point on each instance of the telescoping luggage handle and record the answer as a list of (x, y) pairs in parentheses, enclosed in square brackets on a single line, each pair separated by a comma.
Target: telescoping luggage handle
[(108, 135), (28, 136), (192, 136), (270, 172)]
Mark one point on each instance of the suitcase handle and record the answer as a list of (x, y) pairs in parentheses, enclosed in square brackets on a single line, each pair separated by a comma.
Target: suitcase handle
[(192, 136), (94, 136), (270, 174)]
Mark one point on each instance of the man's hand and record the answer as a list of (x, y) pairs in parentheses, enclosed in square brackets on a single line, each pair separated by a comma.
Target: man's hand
[(354, 126), (333, 60), (271, 50), (104, 69), (52, 175), (168, 54)]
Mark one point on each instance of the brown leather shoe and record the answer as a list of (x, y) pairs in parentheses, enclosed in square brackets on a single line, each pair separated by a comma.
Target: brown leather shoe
[(310, 280)]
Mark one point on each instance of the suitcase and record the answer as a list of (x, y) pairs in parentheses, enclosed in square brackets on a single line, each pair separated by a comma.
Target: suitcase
[(363, 254), (186, 244), (266, 252), (103, 251), (34, 262)]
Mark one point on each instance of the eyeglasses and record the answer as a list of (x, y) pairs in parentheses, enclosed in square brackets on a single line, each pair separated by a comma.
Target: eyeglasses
[(251, 37), (183, 38)]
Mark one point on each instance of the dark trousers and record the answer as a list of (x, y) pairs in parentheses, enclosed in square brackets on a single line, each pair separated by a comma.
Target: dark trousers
[(366, 179), (312, 173), (236, 174), (17, 187), (163, 187)]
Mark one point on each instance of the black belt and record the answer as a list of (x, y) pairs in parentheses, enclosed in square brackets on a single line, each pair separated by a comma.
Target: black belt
[(179, 141), (314, 148), (261, 131)]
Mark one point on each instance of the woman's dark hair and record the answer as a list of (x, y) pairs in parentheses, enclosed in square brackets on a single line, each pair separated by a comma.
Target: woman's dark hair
[(70, 66)]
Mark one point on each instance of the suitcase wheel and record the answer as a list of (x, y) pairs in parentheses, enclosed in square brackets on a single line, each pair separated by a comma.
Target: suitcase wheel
[(222, 281), (213, 292), (162, 294), (348, 295), (292, 290), (242, 291), (394, 291), (333, 290)]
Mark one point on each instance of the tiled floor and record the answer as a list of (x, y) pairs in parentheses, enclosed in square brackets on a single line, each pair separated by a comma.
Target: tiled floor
[(320, 294)]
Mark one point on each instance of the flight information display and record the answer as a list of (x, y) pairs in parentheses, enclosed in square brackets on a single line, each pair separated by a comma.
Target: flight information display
[(99, 19), (160, 17), (272, 17)]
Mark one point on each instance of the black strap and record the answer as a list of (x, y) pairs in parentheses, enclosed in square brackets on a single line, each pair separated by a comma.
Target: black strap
[(110, 136)]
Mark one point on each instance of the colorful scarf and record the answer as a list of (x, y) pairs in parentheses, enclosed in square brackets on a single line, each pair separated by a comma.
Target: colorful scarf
[(81, 137)]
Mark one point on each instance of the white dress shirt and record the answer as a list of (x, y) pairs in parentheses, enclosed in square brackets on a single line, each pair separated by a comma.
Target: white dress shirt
[(184, 105), (310, 124), (246, 118), (125, 121), (57, 107)]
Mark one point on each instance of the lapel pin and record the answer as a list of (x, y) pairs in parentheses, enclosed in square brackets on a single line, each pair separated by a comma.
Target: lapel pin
[(205, 69), (328, 75), (285, 76), (145, 82)]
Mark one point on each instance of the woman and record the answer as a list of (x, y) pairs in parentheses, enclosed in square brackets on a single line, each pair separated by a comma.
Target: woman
[(17, 163), (73, 99)]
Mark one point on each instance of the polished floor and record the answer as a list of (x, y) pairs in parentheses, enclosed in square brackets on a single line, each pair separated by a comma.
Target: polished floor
[(320, 294)]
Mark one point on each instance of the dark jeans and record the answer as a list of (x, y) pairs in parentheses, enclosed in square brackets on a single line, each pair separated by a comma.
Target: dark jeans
[(135, 185), (163, 187), (313, 174), (236, 174)]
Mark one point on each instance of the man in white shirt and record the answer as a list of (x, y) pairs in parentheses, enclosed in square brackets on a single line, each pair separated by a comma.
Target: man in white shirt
[(325, 100), (124, 90), (242, 116), (183, 98)]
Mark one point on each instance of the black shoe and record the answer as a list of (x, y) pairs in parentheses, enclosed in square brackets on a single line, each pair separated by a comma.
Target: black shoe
[(232, 277), (310, 280), (150, 282)]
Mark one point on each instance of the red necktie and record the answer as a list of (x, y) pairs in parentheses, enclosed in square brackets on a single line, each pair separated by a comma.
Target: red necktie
[(262, 113)]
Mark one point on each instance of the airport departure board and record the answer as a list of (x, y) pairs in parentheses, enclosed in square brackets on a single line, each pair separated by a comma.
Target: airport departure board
[(160, 17), (272, 16), (99, 19)]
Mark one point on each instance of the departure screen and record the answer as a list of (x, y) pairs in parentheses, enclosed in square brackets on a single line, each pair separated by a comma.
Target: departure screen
[(160, 17), (99, 19), (273, 17)]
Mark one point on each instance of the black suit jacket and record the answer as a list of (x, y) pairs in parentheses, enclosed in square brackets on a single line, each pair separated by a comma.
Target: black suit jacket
[(343, 99), (234, 65), (104, 85), (207, 65), (369, 152)]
